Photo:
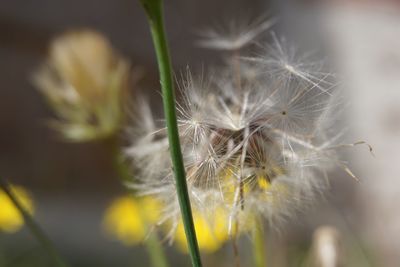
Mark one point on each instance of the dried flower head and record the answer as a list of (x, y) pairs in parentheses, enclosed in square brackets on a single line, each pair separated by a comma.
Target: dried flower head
[(258, 136), (83, 82)]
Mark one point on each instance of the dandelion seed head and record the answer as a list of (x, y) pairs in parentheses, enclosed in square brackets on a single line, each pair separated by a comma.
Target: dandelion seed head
[(257, 137)]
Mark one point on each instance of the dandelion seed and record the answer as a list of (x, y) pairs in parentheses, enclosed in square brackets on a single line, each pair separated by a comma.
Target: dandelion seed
[(284, 62), (235, 36)]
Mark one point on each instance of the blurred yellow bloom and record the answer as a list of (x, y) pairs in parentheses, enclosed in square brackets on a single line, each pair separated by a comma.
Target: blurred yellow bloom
[(83, 82), (10, 218), (127, 219), (212, 231)]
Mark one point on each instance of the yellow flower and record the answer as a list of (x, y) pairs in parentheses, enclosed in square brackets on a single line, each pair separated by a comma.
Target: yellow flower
[(211, 231), (127, 219), (10, 218), (83, 82)]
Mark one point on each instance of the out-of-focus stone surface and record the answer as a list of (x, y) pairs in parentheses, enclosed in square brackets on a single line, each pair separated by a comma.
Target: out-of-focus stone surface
[(367, 41)]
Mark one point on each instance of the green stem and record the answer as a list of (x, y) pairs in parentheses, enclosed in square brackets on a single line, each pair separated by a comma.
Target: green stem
[(118, 161), (259, 245), (153, 246), (2, 254), (154, 12), (155, 251), (32, 225)]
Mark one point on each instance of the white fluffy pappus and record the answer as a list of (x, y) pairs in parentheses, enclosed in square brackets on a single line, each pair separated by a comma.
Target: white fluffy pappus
[(258, 136)]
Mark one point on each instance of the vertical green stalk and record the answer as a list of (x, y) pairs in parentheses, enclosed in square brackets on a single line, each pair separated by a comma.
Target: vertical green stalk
[(155, 250), (33, 226), (152, 243), (259, 245), (154, 11), (2, 253)]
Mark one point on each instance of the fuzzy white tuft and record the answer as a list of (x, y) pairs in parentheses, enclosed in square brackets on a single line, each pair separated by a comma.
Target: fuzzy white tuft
[(256, 137)]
